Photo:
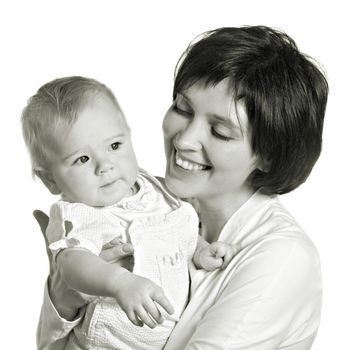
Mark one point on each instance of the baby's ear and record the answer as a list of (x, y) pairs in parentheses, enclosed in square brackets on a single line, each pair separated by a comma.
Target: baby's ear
[(47, 178)]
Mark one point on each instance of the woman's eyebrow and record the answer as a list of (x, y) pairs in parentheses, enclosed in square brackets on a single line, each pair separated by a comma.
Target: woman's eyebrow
[(228, 122), (185, 97), (225, 120)]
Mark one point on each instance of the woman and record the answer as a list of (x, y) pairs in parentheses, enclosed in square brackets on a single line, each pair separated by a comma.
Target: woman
[(245, 125)]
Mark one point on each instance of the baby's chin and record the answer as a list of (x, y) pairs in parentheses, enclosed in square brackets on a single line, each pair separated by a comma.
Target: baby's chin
[(100, 203), (104, 202)]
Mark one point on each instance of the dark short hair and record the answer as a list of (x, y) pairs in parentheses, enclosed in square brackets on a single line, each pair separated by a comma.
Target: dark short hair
[(284, 93)]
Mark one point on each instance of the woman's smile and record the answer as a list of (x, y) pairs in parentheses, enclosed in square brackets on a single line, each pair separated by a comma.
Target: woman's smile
[(188, 164)]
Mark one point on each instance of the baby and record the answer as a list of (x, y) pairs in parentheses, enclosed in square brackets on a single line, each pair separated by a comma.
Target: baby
[(81, 149)]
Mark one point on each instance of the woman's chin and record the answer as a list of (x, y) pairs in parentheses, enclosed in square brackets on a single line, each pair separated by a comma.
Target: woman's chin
[(178, 187)]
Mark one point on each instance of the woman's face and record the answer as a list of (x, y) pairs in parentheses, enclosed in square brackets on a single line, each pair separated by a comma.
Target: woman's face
[(208, 145)]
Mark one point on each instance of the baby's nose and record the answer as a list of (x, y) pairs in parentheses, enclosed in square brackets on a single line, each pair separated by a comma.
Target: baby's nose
[(104, 166)]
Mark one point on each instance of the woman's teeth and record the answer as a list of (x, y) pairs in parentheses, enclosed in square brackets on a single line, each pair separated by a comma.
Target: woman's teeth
[(189, 165)]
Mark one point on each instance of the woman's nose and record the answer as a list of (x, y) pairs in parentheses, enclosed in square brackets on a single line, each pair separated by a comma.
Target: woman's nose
[(104, 165), (189, 138)]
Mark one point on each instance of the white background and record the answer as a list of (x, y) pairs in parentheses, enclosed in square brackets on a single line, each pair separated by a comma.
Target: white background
[(133, 46)]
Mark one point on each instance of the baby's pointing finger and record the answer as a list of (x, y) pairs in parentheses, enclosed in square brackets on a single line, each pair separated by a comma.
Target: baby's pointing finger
[(161, 299)]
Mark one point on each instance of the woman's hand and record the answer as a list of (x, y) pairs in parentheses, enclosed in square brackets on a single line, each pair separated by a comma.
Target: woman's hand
[(66, 300), (118, 252)]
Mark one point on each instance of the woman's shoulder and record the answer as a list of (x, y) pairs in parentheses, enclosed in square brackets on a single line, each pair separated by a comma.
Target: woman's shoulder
[(284, 229), (298, 250), (281, 258), (267, 226)]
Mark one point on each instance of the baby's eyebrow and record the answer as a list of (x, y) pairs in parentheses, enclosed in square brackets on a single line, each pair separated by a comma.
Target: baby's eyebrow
[(71, 155), (115, 137)]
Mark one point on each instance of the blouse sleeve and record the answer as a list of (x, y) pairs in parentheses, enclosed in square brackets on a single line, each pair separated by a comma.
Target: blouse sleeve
[(53, 330), (272, 287)]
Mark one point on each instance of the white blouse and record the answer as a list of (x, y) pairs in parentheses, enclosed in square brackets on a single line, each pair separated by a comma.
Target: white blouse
[(269, 297)]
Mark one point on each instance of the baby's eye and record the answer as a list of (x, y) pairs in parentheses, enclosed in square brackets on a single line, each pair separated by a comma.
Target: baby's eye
[(115, 145), (82, 159)]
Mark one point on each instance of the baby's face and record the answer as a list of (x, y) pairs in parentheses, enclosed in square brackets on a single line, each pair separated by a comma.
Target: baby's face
[(94, 162)]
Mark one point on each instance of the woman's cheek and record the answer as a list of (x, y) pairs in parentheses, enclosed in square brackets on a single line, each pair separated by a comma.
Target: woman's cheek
[(166, 125)]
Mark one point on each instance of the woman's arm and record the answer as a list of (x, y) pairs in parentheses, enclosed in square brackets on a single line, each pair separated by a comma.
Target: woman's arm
[(62, 307), (264, 296), (53, 329)]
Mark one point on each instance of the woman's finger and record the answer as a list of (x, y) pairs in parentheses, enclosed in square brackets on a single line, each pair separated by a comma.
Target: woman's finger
[(42, 219), (114, 242), (114, 253)]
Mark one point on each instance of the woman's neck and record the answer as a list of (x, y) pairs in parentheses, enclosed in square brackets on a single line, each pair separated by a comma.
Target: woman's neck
[(214, 213)]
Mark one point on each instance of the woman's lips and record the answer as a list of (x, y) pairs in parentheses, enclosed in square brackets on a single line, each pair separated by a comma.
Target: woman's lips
[(190, 165)]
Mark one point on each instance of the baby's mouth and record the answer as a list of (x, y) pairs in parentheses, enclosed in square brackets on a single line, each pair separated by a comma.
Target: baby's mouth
[(108, 184)]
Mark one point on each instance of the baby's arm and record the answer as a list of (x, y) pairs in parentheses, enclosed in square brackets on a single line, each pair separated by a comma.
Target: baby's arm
[(136, 295), (212, 256)]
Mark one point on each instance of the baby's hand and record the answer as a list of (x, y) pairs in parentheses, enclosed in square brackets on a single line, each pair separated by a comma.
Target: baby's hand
[(215, 255), (138, 297)]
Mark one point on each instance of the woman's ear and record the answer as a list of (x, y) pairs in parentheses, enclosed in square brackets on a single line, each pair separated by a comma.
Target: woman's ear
[(264, 165), (47, 178)]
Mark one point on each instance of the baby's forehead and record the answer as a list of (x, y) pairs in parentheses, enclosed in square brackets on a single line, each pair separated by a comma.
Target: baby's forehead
[(101, 97), (88, 114), (92, 97)]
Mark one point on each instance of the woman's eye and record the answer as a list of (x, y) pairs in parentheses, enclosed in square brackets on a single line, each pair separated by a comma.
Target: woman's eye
[(115, 145), (219, 135), (182, 110), (82, 159)]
